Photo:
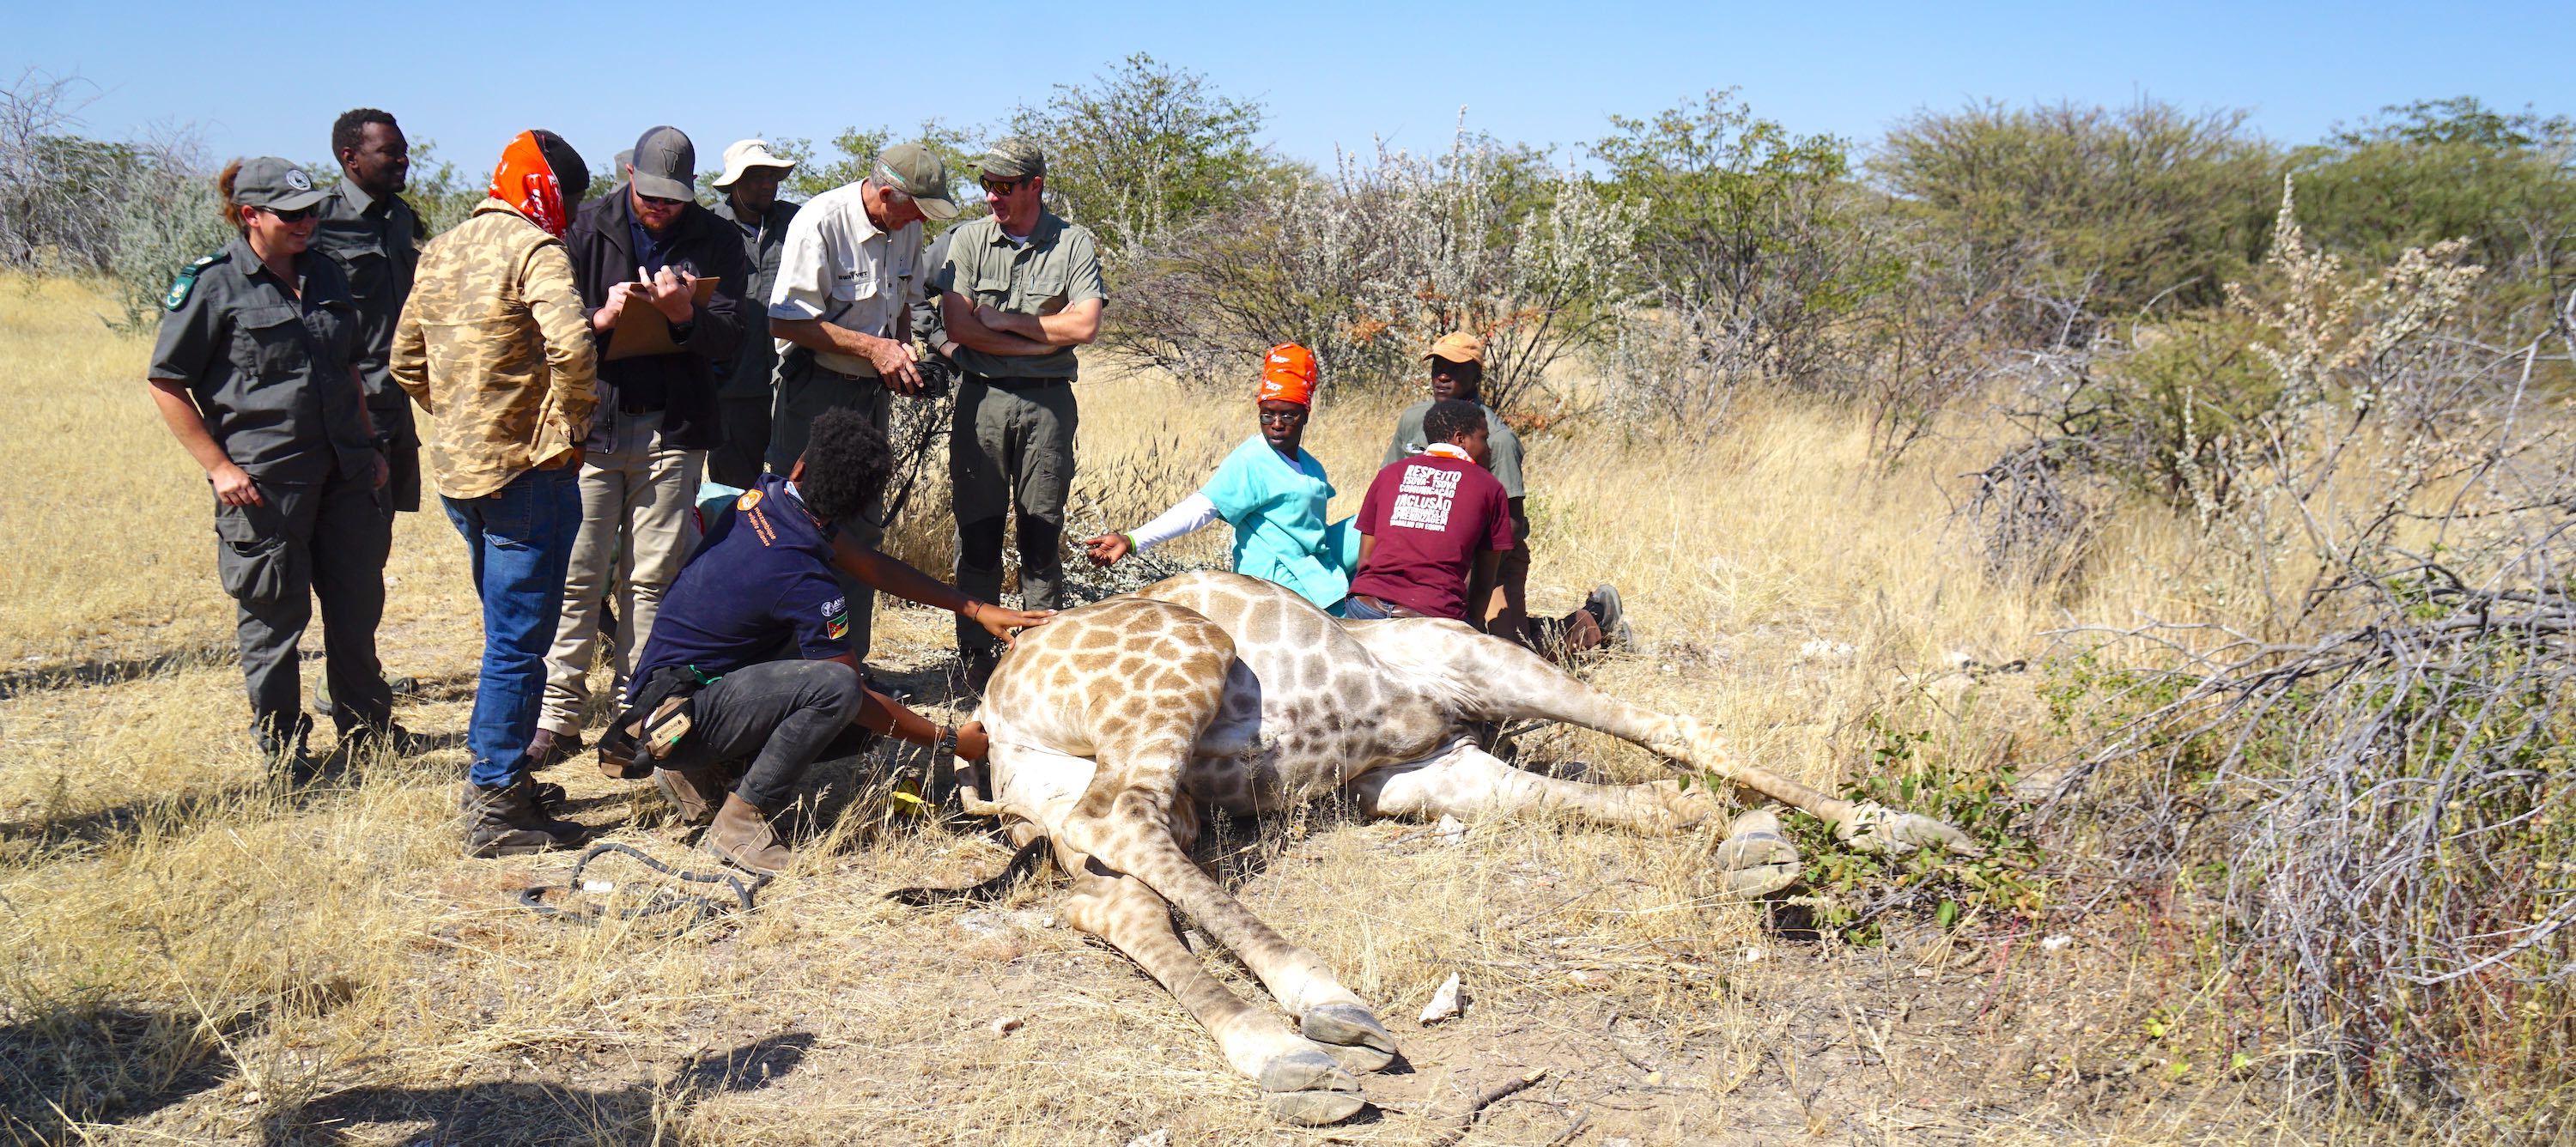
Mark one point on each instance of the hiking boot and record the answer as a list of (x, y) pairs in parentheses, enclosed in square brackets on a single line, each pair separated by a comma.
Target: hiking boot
[(1603, 605), (507, 821), (692, 791), (405, 686), (393, 740), (283, 750), (549, 748), (741, 834)]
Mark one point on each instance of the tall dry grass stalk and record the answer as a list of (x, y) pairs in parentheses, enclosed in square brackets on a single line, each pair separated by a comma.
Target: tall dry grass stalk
[(195, 952)]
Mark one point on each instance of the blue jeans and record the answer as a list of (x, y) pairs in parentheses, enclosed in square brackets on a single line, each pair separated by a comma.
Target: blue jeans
[(521, 541)]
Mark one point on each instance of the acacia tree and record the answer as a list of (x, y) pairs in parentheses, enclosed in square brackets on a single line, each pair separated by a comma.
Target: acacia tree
[(1751, 247), (1145, 147)]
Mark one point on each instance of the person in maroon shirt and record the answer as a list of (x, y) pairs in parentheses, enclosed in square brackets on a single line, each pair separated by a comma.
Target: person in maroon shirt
[(1434, 525)]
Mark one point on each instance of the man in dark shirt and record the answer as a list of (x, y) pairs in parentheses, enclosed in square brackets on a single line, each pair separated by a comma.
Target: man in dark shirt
[(749, 189), (375, 237), (1435, 526), (759, 617), (647, 248)]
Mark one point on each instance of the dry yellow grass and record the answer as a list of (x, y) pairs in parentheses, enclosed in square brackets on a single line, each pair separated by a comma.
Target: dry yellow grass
[(189, 953)]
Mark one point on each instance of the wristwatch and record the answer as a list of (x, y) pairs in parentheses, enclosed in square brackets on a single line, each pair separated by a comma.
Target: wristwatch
[(947, 743)]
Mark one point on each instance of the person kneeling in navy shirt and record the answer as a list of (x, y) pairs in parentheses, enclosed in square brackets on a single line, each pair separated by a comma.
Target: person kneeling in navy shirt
[(755, 634)]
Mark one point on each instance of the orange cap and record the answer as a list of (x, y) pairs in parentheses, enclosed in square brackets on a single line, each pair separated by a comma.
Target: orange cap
[(1458, 346), (1288, 375)]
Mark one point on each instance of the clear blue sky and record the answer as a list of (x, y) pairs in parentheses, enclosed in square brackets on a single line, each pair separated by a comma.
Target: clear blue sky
[(269, 78)]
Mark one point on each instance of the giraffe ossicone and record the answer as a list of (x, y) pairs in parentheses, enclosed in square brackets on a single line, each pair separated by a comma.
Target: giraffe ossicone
[(1116, 724)]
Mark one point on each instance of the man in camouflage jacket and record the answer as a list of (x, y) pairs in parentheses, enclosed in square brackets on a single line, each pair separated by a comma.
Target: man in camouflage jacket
[(493, 342)]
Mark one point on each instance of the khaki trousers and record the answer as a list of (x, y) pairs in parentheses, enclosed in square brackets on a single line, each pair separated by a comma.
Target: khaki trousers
[(638, 524)]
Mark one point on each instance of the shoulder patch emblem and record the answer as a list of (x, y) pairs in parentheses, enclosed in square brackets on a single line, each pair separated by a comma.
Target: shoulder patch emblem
[(749, 499), (186, 283)]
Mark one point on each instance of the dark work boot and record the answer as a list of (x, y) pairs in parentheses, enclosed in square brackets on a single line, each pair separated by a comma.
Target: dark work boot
[(507, 821), (741, 834)]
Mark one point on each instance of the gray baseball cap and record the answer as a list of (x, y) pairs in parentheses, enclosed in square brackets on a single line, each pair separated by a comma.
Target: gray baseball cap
[(666, 164), (1014, 158), (274, 184), (918, 172)]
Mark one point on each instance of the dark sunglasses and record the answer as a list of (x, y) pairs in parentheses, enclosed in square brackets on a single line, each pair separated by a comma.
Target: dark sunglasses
[(1297, 415), (658, 201), (1003, 186), (298, 215)]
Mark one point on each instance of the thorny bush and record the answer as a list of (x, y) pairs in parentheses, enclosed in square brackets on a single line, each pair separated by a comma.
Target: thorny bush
[(2377, 751)]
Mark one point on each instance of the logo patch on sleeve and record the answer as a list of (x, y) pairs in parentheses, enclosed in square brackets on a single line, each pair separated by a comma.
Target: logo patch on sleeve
[(836, 619), (749, 499)]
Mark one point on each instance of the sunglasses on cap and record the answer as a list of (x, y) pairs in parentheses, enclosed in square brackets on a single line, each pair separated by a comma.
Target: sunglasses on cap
[(298, 215), (1003, 186)]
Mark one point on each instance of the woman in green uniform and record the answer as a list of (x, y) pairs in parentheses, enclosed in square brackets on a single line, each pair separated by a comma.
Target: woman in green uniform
[(255, 375)]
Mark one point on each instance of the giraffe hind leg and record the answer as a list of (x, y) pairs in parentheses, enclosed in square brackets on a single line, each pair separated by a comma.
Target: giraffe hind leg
[(1300, 1081)]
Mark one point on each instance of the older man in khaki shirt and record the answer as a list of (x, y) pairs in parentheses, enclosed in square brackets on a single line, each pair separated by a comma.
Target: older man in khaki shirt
[(493, 345), (842, 311)]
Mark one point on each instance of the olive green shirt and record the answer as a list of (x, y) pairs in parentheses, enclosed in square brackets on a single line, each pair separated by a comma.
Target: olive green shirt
[(1058, 267), (1505, 464), (268, 364)]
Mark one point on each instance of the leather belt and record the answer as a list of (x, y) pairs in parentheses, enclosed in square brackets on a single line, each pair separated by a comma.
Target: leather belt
[(1016, 383)]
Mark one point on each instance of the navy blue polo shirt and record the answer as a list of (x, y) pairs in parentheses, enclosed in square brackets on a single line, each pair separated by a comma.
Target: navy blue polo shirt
[(759, 588)]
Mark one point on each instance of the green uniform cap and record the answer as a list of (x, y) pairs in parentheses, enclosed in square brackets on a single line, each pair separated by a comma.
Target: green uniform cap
[(274, 184), (918, 172), (1013, 158)]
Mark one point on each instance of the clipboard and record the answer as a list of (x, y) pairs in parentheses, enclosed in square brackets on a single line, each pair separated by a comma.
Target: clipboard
[(641, 330)]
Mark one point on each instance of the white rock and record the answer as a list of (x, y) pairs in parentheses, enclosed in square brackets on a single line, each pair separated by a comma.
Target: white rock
[(1444, 1003), (1004, 1026), (1158, 1137), (2056, 942), (1750, 955), (984, 924), (1450, 830)]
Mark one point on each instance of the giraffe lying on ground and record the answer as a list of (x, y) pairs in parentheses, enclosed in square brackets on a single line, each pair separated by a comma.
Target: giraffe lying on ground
[(1117, 724)]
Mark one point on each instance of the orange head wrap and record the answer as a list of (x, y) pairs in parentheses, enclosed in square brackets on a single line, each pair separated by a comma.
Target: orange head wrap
[(527, 182), (1288, 375)]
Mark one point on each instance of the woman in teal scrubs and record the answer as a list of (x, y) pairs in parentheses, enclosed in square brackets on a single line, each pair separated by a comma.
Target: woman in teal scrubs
[(1271, 491)]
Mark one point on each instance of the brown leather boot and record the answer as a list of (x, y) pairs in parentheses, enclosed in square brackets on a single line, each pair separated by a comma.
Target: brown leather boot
[(692, 791), (741, 834), (507, 821)]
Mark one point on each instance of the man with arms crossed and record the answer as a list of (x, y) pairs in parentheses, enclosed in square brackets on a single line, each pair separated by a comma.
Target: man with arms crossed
[(1019, 290)]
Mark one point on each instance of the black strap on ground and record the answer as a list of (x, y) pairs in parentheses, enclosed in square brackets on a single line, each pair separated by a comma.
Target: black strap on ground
[(663, 899), (1023, 862)]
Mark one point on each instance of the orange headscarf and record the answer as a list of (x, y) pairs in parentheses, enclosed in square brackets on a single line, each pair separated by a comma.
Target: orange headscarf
[(526, 182), (1288, 375)]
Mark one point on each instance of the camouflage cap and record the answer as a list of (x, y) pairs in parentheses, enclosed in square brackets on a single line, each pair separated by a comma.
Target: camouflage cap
[(918, 172), (1013, 158), (273, 183)]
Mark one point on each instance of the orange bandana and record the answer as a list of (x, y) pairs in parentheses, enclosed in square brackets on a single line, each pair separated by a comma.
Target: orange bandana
[(527, 183), (1288, 375)]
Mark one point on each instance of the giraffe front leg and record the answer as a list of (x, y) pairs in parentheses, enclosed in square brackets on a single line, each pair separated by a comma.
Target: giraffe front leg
[(1130, 838), (1300, 1081)]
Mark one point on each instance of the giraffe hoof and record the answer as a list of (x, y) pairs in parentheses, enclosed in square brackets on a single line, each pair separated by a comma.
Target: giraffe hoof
[(1307, 1087), (1756, 861), (1350, 1035)]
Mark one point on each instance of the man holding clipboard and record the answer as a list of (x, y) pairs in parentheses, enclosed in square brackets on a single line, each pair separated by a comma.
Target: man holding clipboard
[(661, 279)]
